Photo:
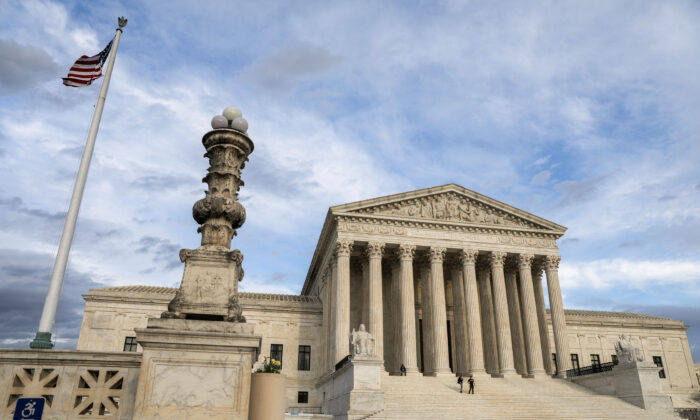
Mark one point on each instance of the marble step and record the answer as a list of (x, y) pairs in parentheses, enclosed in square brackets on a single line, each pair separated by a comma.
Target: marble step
[(428, 398)]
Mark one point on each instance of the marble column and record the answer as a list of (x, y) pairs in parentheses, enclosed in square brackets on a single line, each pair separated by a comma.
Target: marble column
[(407, 354), (460, 319), (364, 295), (427, 314), (531, 326), (394, 362), (326, 322), (375, 316), (515, 318), (505, 346), (438, 307), (556, 307), (487, 322), (332, 281), (541, 316), (473, 314), (341, 256)]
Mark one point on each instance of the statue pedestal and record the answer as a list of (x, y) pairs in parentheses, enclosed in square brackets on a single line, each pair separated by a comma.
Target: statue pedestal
[(194, 369), (638, 383), (355, 389)]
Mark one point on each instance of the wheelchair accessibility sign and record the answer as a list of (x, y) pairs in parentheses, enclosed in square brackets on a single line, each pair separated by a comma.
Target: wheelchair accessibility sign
[(29, 409)]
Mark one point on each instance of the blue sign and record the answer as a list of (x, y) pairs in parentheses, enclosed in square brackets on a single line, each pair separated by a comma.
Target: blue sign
[(29, 409)]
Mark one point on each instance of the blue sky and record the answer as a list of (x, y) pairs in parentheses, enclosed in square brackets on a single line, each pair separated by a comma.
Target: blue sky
[(585, 113)]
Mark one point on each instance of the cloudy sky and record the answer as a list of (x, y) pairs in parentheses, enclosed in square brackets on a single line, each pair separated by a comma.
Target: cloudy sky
[(585, 113)]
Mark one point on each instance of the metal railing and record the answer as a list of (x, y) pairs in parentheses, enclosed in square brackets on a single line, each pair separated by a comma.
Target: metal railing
[(587, 370)]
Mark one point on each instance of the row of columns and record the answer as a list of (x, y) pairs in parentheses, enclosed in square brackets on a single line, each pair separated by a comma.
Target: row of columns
[(499, 314)]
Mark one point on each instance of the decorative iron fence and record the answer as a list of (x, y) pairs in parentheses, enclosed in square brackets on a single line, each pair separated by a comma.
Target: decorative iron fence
[(587, 370)]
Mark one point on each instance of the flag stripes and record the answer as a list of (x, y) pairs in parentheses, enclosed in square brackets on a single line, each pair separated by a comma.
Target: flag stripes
[(86, 69)]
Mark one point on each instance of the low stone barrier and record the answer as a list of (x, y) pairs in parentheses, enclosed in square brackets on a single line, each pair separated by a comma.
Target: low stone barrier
[(75, 384)]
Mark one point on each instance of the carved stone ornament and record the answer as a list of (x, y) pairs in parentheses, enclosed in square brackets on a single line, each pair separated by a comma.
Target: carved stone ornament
[(219, 213), (525, 261), (174, 307), (450, 207), (343, 248), (437, 254), (235, 312), (497, 258), (468, 256), (361, 343), (374, 250), (626, 350), (407, 252), (551, 262)]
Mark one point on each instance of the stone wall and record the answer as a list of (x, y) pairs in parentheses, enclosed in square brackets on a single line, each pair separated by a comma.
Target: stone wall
[(74, 384)]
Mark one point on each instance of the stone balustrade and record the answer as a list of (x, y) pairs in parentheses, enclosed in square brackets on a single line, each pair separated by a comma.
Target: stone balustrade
[(74, 384)]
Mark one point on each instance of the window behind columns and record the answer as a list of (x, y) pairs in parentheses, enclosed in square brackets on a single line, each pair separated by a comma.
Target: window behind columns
[(595, 359), (613, 357)]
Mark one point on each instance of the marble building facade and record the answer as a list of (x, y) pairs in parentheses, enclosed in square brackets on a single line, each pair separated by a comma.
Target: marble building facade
[(452, 281)]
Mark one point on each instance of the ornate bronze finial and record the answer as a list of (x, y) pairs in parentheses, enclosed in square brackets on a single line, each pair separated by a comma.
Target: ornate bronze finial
[(122, 22)]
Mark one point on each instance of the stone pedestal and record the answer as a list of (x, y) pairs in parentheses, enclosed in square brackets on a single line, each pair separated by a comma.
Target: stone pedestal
[(194, 369), (638, 383), (355, 389), (635, 382)]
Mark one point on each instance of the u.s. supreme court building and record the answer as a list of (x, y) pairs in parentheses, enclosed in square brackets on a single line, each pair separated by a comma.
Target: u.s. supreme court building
[(444, 280), (449, 282)]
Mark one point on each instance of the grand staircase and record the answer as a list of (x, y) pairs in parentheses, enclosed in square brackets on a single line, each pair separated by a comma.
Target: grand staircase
[(423, 398)]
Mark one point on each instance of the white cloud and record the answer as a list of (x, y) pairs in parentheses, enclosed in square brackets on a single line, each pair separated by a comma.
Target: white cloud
[(619, 273)]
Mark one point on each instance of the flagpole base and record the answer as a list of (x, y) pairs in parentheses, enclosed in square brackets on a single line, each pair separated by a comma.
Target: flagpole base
[(41, 341)]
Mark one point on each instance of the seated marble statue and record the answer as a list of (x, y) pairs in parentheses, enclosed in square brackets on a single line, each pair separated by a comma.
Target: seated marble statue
[(361, 342), (626, 351)]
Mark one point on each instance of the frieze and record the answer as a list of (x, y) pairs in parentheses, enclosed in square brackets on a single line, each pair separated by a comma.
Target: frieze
[(364, 228), (449, 207), (486, 236)]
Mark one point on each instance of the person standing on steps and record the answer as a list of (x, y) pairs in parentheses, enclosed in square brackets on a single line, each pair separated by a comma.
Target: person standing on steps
[(402, 369), (471, 384), (460, 381)]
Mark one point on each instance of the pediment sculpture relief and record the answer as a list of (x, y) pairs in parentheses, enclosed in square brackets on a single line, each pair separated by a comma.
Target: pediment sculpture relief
[(451, 207)]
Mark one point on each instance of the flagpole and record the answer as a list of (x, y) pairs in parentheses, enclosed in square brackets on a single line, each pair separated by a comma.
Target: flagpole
[(48, 315)]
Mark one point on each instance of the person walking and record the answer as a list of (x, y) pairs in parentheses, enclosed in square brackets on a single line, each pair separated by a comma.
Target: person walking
[(471, 384), (402, 369), (460, 381)]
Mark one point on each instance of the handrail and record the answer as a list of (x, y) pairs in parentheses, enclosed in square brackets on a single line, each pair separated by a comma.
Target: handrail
[(587, 370)]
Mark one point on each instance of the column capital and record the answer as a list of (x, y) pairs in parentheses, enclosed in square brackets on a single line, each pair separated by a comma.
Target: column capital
[(497, 258), (437, 253), (406, 252), (343, 248), (374, 250), (525, 261), (552, 262), (468, 256)]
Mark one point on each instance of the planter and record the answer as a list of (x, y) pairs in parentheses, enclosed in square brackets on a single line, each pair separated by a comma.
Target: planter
[(268, 396)]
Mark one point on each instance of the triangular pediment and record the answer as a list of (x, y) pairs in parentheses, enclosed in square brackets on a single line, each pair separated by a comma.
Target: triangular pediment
[(448, 203)]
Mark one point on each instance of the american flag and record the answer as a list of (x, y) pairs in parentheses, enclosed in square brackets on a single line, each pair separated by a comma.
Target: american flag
[(86, 69)]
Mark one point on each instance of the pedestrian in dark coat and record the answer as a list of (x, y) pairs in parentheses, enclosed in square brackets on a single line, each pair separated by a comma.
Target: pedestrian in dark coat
[(402, 369), (471, 385), (460, 381)]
